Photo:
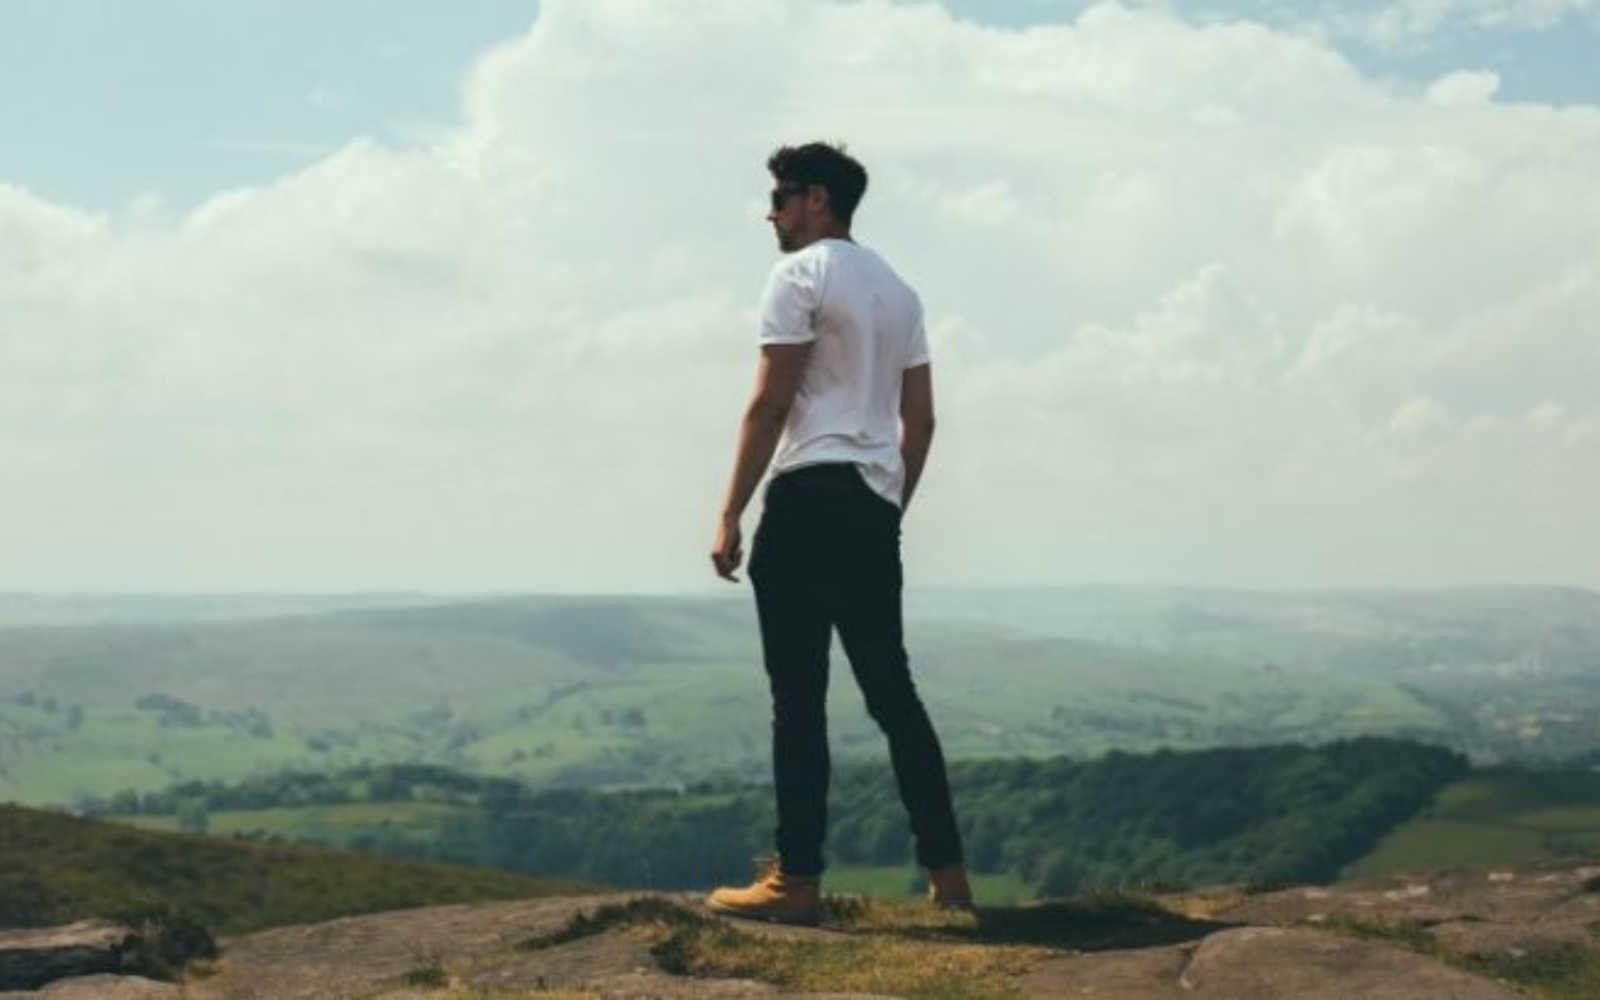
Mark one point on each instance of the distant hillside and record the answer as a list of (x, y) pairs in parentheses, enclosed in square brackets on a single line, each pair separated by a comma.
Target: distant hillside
[(21, 609), (617, 691), (58, 869), (1523, 631)]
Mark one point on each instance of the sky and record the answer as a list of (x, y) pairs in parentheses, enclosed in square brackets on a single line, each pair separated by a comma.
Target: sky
[(389, 295)]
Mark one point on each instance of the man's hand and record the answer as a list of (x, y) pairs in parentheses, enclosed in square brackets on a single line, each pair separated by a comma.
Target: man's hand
[(727, 551)]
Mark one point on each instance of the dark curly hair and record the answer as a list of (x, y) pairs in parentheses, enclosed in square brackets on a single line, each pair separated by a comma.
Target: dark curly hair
[(823, 164)]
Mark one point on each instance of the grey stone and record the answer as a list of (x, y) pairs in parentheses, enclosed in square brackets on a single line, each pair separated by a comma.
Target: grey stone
[(353, 956), (31, 958), (1142, 974), (1523, 897), (108, 987), (1258, 963)]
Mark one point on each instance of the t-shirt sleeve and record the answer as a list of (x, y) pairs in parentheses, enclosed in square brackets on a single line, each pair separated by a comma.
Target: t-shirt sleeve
[(917, 346), (789, 302)]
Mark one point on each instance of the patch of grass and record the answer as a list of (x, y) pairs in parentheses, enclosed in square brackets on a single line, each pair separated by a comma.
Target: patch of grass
[(1413, 935), (1204, 904), (1557, 972), (1560, 972), (1592, 885), (875, 960), (882, 965), (431, 974), (456, 991), (168, 946), (515, 993), (61, 867), (645, 911), (903, 948)]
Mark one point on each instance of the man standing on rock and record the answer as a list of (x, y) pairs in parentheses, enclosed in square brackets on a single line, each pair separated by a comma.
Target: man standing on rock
[(844, 381)]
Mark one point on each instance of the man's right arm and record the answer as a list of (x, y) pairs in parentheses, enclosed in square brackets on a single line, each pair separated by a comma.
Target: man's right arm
[(916, 425)]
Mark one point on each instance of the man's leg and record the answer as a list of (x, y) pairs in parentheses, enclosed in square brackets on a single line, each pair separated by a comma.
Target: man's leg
[(795, 634), (866, 609), (794, 639)]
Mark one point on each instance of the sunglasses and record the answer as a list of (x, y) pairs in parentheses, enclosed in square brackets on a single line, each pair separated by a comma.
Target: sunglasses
[(781, 193)]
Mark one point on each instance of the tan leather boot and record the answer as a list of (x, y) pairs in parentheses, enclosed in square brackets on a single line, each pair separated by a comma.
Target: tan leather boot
[(948, 888), (774, 896)]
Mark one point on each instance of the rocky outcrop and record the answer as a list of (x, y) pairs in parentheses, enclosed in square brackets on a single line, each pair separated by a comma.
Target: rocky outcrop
[(1339, 942), (1404, 938), (30, 959), (1262, 963), (106, 986), (1485, 914)]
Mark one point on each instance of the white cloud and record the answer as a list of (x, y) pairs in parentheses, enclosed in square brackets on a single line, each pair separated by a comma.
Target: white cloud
[(1465, 87), (1207, 305), (1408, 24), (34, 234)]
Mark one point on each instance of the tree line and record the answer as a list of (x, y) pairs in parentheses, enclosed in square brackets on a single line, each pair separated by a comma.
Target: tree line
[(1261, 814)]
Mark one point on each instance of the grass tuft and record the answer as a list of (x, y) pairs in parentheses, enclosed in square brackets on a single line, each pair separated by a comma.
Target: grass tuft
[(644, 911), (1557, 972), (1412, 935), (458, 992), (1560, 972), (901, 947), (166, 945), (430, 975)]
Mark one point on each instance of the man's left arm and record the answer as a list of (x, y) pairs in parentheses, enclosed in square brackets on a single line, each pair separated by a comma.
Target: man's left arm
[(916, 426), (777, 381)]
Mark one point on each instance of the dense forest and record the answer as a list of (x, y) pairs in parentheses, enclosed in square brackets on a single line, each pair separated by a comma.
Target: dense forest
[(1262, 814)]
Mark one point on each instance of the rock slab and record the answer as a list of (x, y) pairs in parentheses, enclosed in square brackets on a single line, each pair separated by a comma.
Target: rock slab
[(1261, 963), (30, 959)]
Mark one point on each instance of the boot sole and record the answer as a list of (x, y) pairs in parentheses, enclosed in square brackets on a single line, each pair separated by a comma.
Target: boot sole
[(795, 920)]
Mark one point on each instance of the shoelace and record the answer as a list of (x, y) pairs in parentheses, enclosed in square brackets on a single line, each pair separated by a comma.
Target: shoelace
[(768, 867)]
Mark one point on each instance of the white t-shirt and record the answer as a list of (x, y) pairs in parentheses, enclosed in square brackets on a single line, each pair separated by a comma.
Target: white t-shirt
[(865, 326)]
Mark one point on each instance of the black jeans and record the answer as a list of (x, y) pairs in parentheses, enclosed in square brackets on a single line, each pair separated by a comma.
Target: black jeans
[(827, 556)]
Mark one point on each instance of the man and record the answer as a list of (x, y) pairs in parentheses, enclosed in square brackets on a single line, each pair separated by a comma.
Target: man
[(843, 379)]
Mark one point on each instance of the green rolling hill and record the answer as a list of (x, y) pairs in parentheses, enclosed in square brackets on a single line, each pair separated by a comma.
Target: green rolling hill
[(115, 694)]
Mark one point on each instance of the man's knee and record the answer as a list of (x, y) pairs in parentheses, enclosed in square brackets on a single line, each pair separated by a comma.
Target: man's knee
[(895, 705), (799, 706)]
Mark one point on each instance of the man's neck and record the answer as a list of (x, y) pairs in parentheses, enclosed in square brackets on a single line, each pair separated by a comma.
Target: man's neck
[(830, 231)]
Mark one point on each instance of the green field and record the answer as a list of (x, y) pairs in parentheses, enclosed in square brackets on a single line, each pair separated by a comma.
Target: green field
[(1496, 817), (618, 692)]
